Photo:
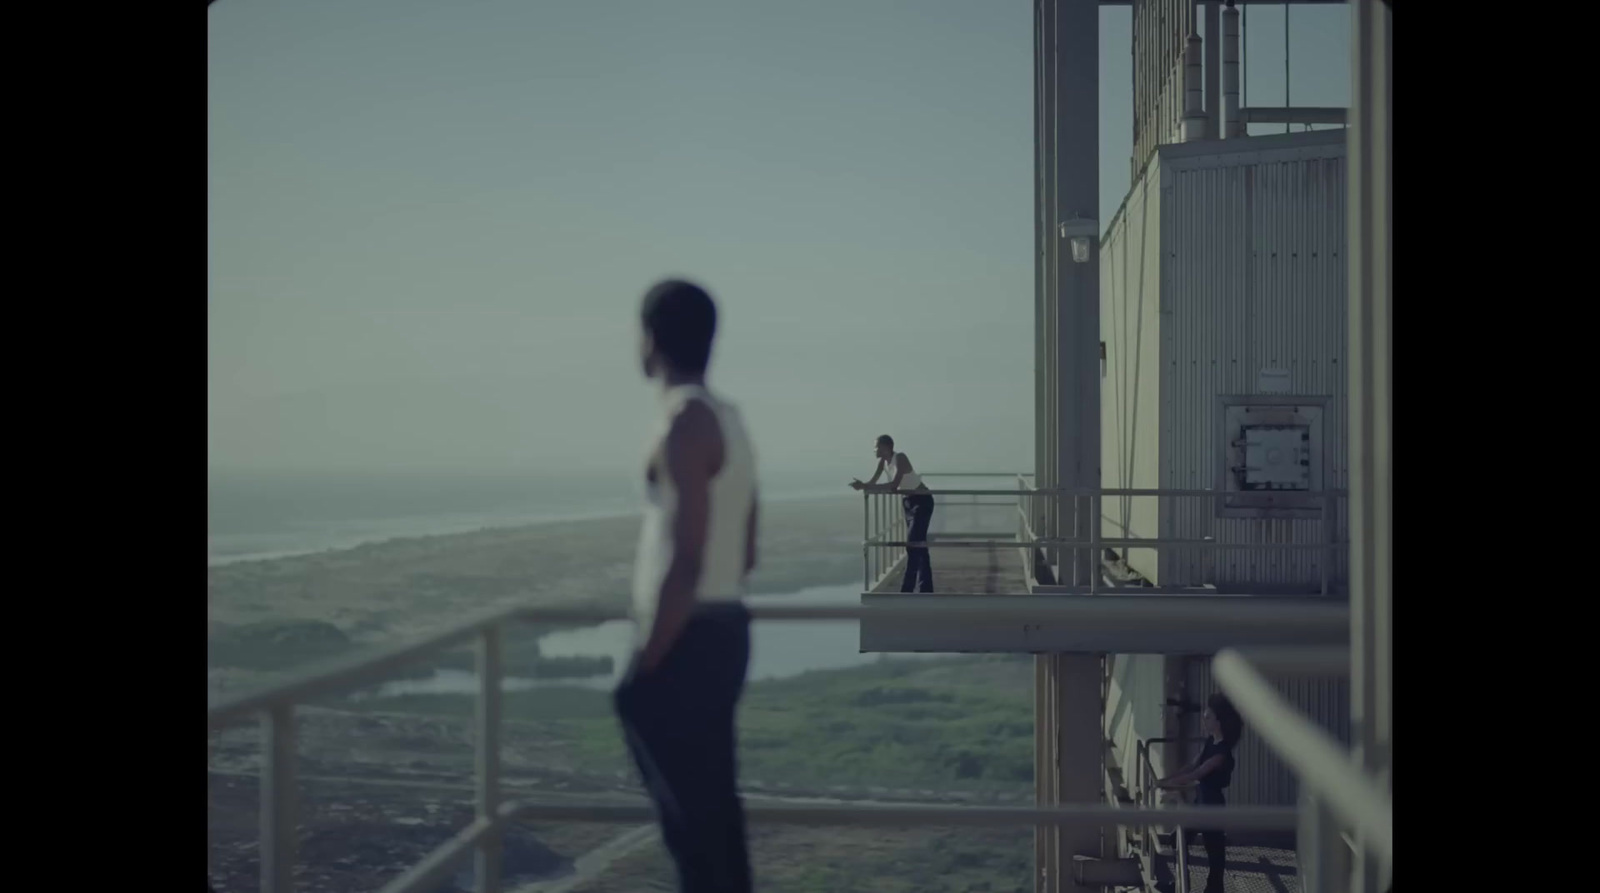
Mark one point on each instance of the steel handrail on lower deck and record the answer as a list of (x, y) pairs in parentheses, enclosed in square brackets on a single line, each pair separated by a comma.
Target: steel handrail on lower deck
[(881, 552), (276, 705)]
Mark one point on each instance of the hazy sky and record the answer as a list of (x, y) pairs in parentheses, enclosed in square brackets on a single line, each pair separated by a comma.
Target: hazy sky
[(431, 222)]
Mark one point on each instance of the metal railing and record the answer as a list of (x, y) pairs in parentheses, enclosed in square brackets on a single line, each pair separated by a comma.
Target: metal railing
[(1334, 793), (883, 541), (1150, 799), (482, 838), (883, 537)]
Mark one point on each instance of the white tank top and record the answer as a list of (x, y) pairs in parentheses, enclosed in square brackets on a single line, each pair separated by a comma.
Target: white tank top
[(911, 481), (732, 494)]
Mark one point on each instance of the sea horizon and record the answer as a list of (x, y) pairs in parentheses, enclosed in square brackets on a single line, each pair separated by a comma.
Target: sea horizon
[(264, 516)]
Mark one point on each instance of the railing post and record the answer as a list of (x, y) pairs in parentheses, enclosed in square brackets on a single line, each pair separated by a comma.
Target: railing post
[(1323, 866), (279, 791), (1181, 844), (1094, 543), (866, 539), (486, 862), (879, 552)]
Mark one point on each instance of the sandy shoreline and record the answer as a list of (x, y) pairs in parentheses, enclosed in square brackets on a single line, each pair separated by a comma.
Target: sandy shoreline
[(406, 586)]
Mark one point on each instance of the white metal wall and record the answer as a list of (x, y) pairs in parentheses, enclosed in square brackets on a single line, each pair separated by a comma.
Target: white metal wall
[(1253, 276), (1133, 709), (1130, 391), (1259, 777)]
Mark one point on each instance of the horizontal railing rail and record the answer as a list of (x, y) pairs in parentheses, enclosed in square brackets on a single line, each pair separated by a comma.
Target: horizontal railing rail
[(884, 540), (279, 791)]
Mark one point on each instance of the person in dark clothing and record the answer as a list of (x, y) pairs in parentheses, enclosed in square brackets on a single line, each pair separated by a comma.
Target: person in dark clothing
[(1210, 774), (917, 505), (697, 546)]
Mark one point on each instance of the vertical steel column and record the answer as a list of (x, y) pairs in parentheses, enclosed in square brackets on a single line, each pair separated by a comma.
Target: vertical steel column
[(1047, 469), (1077, 196), (1371, 351), (1213, 47), (1233, 126), (1044, 393), (486, 862), (1094, 543), (1043, 765), (1041, 241), (1078, 768), (1324, 866), (279, 791)]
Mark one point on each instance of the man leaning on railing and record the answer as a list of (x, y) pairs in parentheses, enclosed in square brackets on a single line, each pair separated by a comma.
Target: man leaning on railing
[(918, 507)]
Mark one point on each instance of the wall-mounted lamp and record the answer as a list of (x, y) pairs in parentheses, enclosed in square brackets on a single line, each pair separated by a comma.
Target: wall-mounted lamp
[(1081, 233)]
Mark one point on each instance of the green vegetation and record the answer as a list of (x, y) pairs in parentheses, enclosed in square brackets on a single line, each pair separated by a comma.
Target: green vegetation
[(273, 644), (964, 723)]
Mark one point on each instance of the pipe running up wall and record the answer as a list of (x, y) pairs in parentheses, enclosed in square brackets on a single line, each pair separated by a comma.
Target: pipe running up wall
[(1232, 121)]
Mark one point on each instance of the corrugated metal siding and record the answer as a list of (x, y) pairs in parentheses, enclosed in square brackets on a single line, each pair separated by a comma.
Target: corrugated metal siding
[(1260, 778), (1130, 392), (1253, 276)]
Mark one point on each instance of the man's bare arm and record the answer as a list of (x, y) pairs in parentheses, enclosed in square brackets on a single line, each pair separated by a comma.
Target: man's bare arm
[(690, 454), (874, 479), (900, 466)]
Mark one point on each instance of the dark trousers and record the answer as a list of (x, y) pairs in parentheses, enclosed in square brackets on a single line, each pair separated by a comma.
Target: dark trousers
[(919, 570), (678, 720), (1216, 844)]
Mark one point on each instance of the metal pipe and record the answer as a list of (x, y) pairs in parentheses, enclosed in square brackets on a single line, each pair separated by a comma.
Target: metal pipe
[(1299, 660), (1094, 543), (1289, 115), (1233, 124), (1323, 766), (1150, 492), (1286, 103), (1320, 849), (1370, 389), (866, 536), (1077, 544), (1194, 113), (278, 794), (1213, 38), (1067, 815), (877, 529), (1182, 844)]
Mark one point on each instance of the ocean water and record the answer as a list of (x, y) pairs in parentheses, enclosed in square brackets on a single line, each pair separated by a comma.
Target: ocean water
[(777, 650), (260, 515)]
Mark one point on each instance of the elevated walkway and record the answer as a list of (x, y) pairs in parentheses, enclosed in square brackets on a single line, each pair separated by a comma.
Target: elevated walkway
[(992, 576)]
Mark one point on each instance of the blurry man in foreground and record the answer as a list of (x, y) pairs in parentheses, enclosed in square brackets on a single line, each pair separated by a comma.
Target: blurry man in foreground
[(697, 546)]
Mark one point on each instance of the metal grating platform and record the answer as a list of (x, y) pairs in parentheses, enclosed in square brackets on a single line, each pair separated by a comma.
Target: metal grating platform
[(990, 570), (1251, 869)]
